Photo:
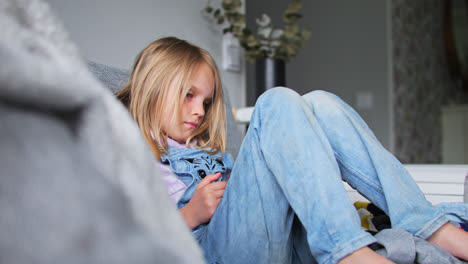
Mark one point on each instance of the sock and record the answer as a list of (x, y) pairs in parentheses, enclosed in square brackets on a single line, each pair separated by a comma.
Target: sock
[(361, 205), (374, 209), (464, 226)]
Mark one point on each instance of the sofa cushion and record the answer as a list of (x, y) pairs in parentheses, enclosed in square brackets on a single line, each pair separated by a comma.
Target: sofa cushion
[(112, 77)]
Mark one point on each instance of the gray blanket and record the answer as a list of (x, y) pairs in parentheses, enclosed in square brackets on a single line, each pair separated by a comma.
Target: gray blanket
[(78, 183), (402, 247)]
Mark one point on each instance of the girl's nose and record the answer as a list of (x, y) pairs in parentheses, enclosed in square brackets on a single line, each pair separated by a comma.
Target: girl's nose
[(199, 109)]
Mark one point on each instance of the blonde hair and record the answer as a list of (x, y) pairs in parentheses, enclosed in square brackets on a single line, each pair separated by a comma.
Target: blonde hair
[(146, 93)]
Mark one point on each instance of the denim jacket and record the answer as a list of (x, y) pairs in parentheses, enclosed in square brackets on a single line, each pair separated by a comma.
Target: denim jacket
[(192, 165)]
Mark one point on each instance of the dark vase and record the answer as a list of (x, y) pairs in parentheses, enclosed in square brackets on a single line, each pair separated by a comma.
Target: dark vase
[(269, 73)]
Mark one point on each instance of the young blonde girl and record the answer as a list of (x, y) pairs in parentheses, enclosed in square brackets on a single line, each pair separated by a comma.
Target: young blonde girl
[(148, 85), (284, 200)]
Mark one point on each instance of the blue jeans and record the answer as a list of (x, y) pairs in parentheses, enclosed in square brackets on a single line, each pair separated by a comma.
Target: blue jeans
[(285, 201)]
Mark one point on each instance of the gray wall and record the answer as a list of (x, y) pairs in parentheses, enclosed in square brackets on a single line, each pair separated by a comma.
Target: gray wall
[(347, 54), (114, 31)]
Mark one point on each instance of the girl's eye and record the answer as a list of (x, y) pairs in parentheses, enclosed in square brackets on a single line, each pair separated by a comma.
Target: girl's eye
[(189, 95)]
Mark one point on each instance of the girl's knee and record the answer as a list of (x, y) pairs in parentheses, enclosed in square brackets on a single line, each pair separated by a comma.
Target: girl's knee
[(323, 100), (321, 96), (278, 96)]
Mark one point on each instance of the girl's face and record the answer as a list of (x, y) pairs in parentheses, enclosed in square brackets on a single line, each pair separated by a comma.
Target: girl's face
[(193, 108)]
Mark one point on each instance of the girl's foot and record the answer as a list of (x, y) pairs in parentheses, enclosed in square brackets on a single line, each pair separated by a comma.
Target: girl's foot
[(452, 239)]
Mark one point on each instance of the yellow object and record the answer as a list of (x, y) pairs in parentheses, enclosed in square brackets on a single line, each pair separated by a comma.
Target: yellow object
[(361, 205), (365, 221)]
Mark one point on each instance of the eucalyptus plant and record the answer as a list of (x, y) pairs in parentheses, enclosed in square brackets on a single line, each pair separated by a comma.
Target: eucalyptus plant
[(268, 41)]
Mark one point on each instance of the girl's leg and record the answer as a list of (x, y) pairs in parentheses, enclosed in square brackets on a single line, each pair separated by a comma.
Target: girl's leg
[(452, 239), (286, 168), (374, 171)]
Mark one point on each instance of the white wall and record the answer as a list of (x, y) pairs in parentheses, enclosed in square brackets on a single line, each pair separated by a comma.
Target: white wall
[(114, 31), (346, 54)]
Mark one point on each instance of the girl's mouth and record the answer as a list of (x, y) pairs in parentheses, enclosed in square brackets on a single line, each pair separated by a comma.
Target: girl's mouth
[(191, 124)]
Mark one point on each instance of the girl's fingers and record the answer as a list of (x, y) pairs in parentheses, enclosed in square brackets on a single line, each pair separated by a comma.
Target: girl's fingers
[(219, 194), (215, 176), (217, 185), (214, 192), (208, 179)]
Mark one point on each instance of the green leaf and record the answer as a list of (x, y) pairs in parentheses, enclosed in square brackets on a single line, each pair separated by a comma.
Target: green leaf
[(209, 9), (237, 3), (229, 15), (291, 50), (246, 31), (240, 23), (228, 5), (305, 34), (252, 41), (291, 18), (293, 7), (291, 30), (235, 19), (227, 29)]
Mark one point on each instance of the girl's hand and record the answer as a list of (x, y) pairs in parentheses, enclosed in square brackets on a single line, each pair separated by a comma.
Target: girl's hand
[(204, 201)]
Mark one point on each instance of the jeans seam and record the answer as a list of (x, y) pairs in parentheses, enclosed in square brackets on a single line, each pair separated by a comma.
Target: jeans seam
[(334, 256), (423, 231), (257, 132), (357, 172)]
